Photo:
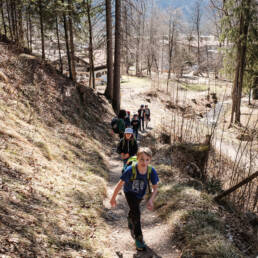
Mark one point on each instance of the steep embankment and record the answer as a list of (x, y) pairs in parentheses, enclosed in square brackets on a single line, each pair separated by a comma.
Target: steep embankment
[(52, 166)]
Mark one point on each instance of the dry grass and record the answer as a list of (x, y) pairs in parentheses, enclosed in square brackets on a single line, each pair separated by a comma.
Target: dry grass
[(52, 166), (197, 224)]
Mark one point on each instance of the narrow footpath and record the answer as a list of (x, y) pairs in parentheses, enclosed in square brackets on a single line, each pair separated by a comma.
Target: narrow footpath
[(156, 233)]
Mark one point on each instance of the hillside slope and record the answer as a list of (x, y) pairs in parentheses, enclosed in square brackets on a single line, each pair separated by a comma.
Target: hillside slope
[(52, 166)]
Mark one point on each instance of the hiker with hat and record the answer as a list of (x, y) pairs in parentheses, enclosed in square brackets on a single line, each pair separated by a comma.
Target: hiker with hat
[(141, 114), (127, 146)]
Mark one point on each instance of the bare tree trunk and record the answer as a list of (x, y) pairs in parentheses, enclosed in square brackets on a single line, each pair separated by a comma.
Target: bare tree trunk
[(170, 48), (109, 88), (59, 47), (241, 62), (20, 31), (67, 45), (235, 187), (29, 29), (72, 55), (116, 92), (42, 29), (13, 20), (9, 19), (138, 41), (92, 77), (3, 19), (197, 20)]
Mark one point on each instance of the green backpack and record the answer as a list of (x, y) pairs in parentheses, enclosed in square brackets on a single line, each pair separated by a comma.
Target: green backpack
[(134, 174)]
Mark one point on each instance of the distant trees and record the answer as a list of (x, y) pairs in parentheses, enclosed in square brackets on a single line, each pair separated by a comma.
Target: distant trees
[(239, 29)]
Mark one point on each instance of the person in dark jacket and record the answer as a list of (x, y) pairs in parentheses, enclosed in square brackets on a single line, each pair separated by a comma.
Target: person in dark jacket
[(141, 115), (121, 123), (127, 146), (135, 123), (127, 119)]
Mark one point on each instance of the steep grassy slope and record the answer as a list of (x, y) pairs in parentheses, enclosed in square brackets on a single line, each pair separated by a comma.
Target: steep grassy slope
[(52, 164)]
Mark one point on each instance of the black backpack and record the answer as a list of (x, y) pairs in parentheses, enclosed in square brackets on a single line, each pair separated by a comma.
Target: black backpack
[(114, 125)]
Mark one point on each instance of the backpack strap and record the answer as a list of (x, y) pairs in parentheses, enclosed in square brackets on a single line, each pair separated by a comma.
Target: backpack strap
[(134, 174), (149, 176)]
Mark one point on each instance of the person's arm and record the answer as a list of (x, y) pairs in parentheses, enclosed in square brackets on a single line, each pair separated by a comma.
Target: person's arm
[(150, 204), (116, 191)]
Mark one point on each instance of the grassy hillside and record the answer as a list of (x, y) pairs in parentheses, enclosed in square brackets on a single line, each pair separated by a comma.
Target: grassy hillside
[(52, 163)]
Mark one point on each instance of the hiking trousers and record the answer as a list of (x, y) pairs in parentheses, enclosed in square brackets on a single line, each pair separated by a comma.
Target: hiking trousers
[(134, 215), (135, 132), (141, 123)]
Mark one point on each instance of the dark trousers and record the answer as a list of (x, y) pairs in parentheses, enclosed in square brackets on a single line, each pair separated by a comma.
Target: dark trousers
[(121, 135), (141, 123), (134, 215), (135, 131)]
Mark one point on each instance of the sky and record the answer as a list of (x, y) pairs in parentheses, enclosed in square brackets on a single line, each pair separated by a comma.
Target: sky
[(185, 5)]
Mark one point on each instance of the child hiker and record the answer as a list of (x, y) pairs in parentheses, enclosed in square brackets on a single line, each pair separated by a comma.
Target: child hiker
[(135, 180), (127, 146), (141, 114), (135, 123), (147, 115)]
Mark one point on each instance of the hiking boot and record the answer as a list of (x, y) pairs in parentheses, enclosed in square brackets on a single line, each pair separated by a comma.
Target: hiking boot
[(140, 245)]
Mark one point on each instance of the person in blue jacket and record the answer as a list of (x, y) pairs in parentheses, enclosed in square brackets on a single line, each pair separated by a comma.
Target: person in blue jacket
[(135, 181)]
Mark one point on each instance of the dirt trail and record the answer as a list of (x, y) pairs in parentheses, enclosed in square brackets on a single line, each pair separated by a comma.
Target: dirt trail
[(156, 233)]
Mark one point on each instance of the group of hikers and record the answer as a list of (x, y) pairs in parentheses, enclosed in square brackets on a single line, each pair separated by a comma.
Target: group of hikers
[(139, 121), (137, 173)]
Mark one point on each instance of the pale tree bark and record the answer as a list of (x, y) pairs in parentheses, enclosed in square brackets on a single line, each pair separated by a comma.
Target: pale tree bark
[(109, 88), (116, 90)]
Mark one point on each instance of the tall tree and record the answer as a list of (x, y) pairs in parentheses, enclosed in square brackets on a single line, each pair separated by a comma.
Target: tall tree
[(67, 42), (72, 52), (116, 90), (238, 24), (109, 89), (91, 55), (42, 29), (171, 41), (3, 18), (197, 23)]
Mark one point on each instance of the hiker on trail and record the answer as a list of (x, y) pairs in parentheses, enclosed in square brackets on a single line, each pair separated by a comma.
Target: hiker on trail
[(136, 179), (127, 119), (147, 115), (141, 114), (135, 123), (127, 146), (121, 123)]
